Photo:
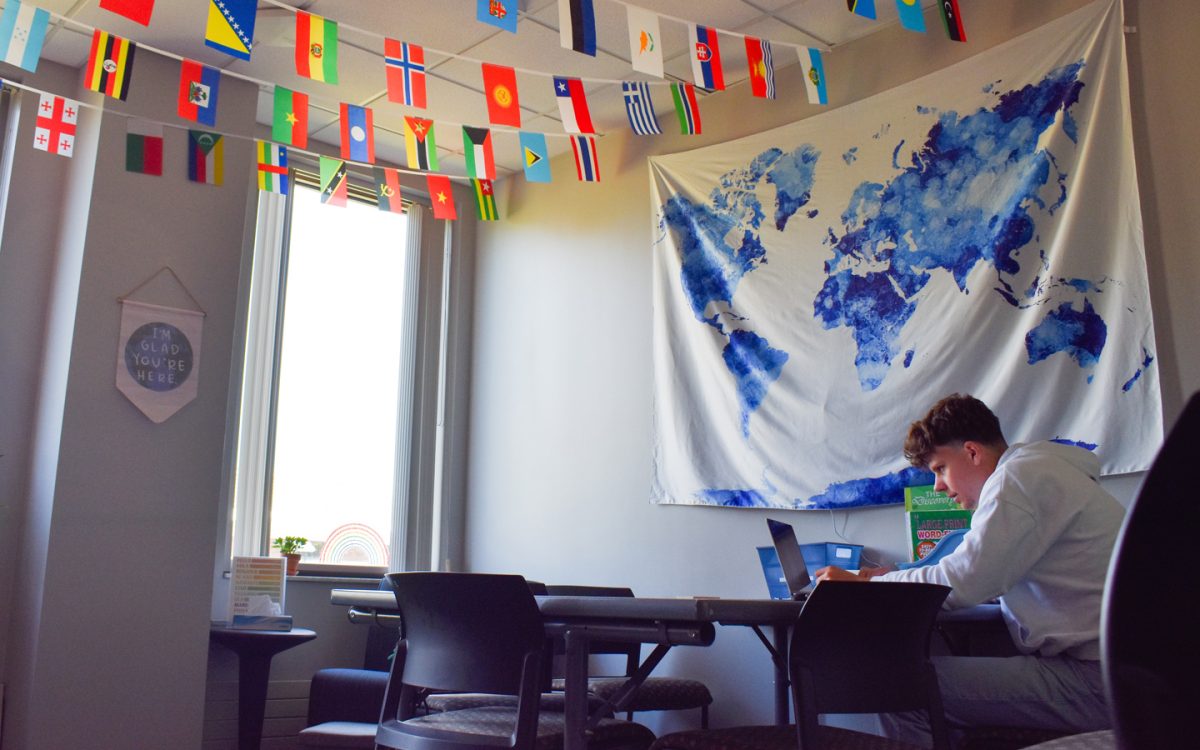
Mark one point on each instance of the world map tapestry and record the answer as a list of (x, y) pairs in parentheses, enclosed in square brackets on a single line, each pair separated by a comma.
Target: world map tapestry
[(817, 287)]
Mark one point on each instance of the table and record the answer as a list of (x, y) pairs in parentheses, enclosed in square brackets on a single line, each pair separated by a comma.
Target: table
[(254, 649), (665, 622)]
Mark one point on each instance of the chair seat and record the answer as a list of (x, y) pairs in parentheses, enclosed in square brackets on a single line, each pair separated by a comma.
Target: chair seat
[(773, 738), (339, 734), (655, 694), (461, 701), (1008, 738), (498, 721), (1105, 739)]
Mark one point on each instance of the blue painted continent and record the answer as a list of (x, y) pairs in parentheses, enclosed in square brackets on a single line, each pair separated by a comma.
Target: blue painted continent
[(964, 200)]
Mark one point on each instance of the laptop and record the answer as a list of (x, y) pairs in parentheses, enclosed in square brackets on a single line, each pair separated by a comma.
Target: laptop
[(793, 573)]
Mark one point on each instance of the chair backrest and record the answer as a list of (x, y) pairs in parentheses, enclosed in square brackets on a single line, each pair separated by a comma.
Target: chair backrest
[(468, 632), (570, 590), (864, 647), (1148, 630)]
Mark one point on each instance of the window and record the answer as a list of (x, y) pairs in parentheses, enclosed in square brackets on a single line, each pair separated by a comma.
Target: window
[(333, 384)]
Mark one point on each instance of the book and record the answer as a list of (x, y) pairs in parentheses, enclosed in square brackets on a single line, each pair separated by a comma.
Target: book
[(930, 516), (256, 593)]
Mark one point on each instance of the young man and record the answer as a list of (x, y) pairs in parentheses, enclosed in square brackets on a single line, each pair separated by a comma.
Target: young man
[(1040, 540)]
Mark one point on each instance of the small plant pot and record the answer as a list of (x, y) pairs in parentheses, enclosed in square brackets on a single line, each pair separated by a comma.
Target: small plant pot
[(293, 563)]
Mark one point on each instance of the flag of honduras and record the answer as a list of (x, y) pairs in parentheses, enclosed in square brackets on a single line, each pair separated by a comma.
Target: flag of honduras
[(22, 31)]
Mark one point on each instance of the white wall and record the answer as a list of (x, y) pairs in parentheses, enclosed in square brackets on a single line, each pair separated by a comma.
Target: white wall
[(116, 517), (560, 451)]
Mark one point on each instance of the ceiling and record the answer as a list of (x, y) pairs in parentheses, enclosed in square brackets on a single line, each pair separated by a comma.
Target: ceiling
[(455, 43)]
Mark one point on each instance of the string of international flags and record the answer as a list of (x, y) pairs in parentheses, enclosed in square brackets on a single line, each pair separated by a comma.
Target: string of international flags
[(230, 29)]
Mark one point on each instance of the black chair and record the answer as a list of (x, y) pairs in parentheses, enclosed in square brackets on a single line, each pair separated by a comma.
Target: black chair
[(476, 633), (1147, 630), (855, 648), (343, 703), (655, 693)]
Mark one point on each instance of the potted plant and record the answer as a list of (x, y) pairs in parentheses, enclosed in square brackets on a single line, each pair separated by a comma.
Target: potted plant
[(289, 547)]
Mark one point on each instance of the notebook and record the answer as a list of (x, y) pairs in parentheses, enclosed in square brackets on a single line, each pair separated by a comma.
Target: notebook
[(794, 573)]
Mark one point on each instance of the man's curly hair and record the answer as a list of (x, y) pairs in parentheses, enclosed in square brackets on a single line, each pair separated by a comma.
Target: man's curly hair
[(952, 421)]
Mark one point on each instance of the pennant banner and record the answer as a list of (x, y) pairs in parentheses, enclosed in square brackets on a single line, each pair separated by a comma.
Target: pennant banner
[(54, 130), (405, 65), (158, 357), (536, 157), (138, 11), (290, 122), (206, 157), (109, 65), (198, 89), (272, 167), (645, 41), (577, 26), (387, 190), (22, 33), (230, 26), (144, 147), (818, 286)]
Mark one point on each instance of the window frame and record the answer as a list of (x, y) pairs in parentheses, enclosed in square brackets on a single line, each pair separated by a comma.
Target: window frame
[(419, 450)]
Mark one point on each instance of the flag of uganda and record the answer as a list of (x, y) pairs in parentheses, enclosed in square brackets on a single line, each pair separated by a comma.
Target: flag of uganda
[(109, 65)]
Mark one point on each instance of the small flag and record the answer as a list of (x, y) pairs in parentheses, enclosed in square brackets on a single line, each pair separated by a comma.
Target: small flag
[(230, 26), (952, 20), (333, 181), (499, 13), (762, 67), (137, 11), (686, 107), (639, 108), (587, 166), (143, 147), (572, 105), (536, 157), (485, 199), (387, 190), (22, 32), (814, 75), (706, 58), (198, 87), (864, 8), (645, 48), (405, 72), (358, 133), (206, 157), (316, 47), (290, 124), (577, 26), (441, 197), (477, 145), (911, 16), (272, 167), (109, 64), (419, 143), (500, 88), (54, 130)]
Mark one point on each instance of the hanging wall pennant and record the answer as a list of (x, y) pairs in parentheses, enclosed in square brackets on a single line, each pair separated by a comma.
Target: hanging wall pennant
[(158, 355)]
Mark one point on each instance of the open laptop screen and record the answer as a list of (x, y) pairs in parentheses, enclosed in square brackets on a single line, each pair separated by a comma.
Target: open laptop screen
[(790, 558)]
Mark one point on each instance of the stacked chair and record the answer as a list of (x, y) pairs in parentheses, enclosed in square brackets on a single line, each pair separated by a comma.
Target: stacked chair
[(655, 693), (855, 648)]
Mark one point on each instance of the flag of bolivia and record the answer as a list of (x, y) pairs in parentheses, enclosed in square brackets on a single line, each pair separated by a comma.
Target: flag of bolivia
[(316, 47), (109, 65)]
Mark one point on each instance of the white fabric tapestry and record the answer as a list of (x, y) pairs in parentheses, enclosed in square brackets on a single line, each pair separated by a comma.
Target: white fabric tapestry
[(817, 287)]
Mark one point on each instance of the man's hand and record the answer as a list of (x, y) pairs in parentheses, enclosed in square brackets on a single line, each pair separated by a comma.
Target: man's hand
[(834, 573)]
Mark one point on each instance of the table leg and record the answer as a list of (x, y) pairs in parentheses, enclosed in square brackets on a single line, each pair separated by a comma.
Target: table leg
[(575, 733), (779, 634), (253, 671)]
